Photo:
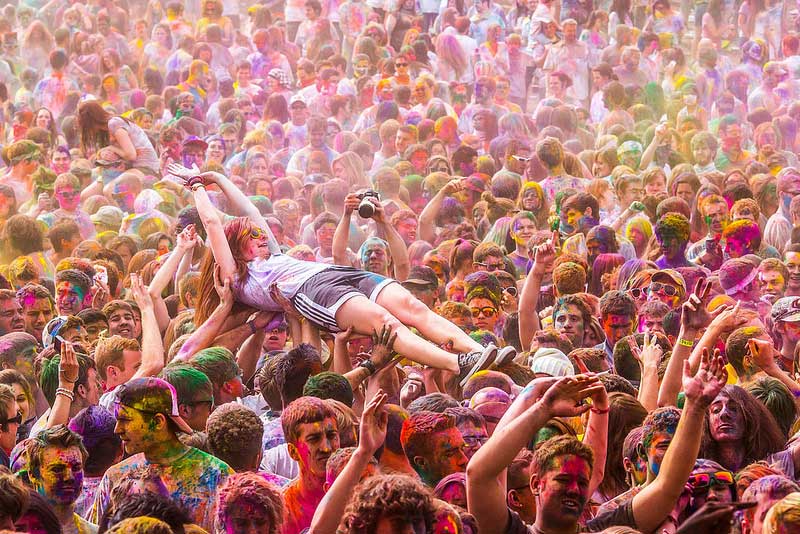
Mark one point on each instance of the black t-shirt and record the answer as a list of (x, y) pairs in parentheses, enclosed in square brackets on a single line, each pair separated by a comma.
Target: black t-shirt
[(621, 516)]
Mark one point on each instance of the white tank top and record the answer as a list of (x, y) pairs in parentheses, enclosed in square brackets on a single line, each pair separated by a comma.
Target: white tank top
[(288, 273)]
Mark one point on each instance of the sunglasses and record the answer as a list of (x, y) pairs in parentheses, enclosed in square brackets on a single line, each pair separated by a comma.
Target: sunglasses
[(487, 311), (668, 290), (68, 194), (705, 480), (255, 233), (401, 64), (511, 291), (14, 420), (491, 266), (521, 159)]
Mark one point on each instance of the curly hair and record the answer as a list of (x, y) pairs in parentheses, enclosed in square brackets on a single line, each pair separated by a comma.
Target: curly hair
[(569, 278), (673, 225), (234, 435), (390, 496), (254, 490)]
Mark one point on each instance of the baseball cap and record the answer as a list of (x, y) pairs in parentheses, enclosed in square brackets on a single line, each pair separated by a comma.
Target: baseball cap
[(786, 309), (422, 275), (51, 330), (551, 362), (295, 99), (108, 216), (670, 275), (153, 396)]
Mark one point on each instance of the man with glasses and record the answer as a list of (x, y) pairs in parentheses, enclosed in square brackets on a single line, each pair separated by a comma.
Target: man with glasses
[(488, 257), (472, 426), (148, 423), (195, 393), (668, 286)]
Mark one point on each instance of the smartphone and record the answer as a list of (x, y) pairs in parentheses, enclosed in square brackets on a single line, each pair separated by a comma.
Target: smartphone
[(101, 274), (58, 342)]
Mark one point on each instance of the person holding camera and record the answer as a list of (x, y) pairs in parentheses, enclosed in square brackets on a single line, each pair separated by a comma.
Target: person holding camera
[(377, 253)]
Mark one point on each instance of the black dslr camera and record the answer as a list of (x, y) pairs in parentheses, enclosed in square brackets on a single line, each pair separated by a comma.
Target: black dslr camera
[(366, 209)]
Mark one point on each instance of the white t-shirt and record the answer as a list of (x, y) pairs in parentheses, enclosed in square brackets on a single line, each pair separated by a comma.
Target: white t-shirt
[(288, 273)]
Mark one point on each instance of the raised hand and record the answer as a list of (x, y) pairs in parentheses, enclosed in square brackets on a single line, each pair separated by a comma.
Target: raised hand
[(188, 238), (452, 187), (176, 169), (565, 397), (374, 420), (282, 301), (223, 289), (412, 389), (67, 366), (649, 356), (695, 315), (139, 292), (711, 377), (762, 353), (731, 318), (382, 346)]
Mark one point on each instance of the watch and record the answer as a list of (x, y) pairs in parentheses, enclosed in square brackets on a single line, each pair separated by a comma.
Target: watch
[(369, 366)]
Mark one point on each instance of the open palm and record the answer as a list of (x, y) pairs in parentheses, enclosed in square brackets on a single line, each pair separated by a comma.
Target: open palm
[(711, 377)]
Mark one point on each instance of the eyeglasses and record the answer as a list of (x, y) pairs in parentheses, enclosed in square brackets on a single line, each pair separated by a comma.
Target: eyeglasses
[(401, 64), (491, 266), (475, 440), (487, 311), (638, 292), (705, 480), (14, 420), (668, 290), (68, 194), (255, 233)]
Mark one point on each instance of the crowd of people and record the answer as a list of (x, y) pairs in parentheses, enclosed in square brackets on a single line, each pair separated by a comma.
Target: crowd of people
[(400, 267)]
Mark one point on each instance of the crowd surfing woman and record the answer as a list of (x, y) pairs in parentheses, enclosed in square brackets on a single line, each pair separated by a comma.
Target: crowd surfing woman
[(333, 298)]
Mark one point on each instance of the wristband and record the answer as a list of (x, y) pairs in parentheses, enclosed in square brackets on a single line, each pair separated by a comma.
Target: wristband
[(66, 393), (685, 342), (599, 411), (369, 366)]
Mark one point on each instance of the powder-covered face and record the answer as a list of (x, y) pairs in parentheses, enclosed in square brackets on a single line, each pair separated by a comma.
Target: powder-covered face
[(474, 438), (569, 321), (69, 298), (315, 444), (447, 456), (246, 517), (725, 419), (484, 313), (564, 490), (136, 429), (60, 478), (657, 449), (617, 327), (455, 493), (771, 284)]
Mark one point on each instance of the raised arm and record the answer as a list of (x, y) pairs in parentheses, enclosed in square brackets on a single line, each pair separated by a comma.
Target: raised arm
[(397, 247), (372, 434), (543, 258), (652, 505), (205, 333), (67, 376), (186, 242), (427, 219), (649, 357), (342, 234), (216, 233), (693, 318), (486, 491), (152, 346)]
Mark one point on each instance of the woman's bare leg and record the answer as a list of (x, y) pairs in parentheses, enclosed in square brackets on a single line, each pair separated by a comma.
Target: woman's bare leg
[(367, 317), (412, 312)]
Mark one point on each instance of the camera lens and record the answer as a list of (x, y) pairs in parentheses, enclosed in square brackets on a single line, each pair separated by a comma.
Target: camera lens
[(366, 209)]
